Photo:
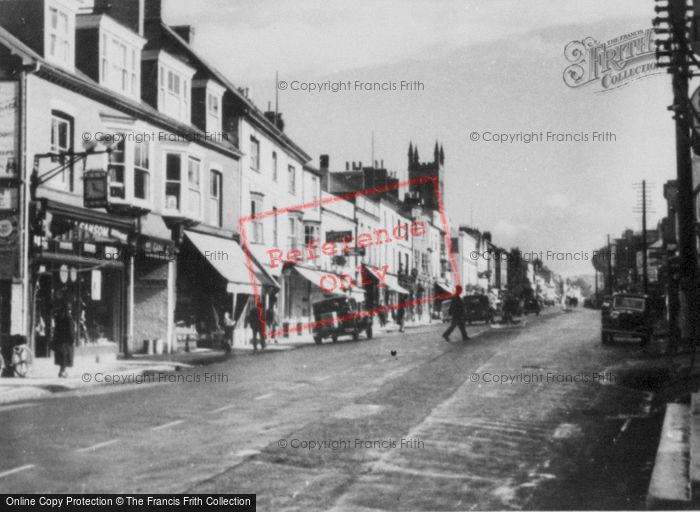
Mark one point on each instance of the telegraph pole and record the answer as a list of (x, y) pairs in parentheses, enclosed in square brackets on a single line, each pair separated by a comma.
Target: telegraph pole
[(609, 283), (676, 48), (643, 208)]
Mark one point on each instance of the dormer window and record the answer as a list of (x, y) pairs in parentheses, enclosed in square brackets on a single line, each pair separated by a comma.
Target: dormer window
[(117, 64), (206, 106), (59, 27), (173, 79)]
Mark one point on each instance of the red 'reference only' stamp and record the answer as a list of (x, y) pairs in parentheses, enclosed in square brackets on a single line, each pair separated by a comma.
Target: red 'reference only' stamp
[(332, 283)]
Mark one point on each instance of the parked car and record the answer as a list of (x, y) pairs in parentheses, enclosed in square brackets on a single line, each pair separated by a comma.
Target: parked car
[(532, 305), (340, 316), (629, 314), (478, 309)]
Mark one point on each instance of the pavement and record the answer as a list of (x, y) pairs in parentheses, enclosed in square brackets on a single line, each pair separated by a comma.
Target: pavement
[(42, 379), (538, 415)]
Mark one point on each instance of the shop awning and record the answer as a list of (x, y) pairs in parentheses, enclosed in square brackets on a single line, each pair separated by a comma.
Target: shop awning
[(393, 284), (229, 260), (387, 280), (441, 288), (311, 275)]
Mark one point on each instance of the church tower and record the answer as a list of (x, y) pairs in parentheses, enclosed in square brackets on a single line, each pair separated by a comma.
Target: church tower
[(424, 192)]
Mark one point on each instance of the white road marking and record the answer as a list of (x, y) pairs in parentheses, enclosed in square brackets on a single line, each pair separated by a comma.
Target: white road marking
[(224, 408), (16, 470), (96, 446), (16, 406), (166, 425), (246, 453), (263, 397), (321, 379)]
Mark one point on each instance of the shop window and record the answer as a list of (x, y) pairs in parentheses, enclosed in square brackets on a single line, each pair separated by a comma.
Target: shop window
[(256, 206), (61, 144), (117, 171), (142, 175), (194, 178), (172, 181), (215, 216)]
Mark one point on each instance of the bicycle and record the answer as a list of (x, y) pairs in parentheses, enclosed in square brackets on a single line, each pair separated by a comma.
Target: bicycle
[(20, 362)]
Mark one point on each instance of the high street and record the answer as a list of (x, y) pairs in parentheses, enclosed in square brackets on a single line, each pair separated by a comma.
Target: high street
[(533, 416)]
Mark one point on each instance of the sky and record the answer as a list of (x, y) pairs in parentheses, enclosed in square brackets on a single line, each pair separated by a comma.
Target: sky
[(486, 66)]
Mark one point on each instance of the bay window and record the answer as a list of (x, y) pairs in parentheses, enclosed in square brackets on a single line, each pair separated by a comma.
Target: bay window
[(194, 194), (117, 171), (173, 163), (142, 176)]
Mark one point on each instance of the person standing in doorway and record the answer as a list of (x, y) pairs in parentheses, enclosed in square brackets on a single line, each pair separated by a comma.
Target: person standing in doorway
[(63, 339), (457, 316)]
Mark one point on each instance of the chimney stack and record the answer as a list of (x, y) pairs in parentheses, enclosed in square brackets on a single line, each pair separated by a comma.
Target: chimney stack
[(323, 161), (153, 10), (129, 13), (347, 165)]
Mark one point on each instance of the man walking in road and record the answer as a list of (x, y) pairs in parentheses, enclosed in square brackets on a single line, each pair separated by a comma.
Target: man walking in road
[(457, 316)]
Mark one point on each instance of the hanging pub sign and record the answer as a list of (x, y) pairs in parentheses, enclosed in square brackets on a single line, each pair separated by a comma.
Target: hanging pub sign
[(95, 188)]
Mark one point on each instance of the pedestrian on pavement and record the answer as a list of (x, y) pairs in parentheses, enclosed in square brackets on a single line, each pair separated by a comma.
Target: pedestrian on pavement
[(229, 325), (401, 318), (457, 316), (271, 318), (253, 320), (63, 339)]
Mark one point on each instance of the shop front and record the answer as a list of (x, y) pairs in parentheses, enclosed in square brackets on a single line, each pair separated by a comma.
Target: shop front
[(213, 278), (78, 260)]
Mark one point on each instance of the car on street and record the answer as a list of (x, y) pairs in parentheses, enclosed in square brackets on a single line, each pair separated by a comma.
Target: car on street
[(340, 316), (629, 315), (532, 305), (478, 309)]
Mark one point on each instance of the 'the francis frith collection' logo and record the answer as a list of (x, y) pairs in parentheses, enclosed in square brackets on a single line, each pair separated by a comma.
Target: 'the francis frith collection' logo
[(611, 64)]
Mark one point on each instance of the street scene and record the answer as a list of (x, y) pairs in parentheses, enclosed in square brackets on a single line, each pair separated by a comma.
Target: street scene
[(349, 256), (471, 437)]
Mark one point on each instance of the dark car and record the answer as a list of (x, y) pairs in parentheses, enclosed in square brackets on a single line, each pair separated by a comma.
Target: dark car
[(478, 309), (340, 316), (629, 314), (532, 305)]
